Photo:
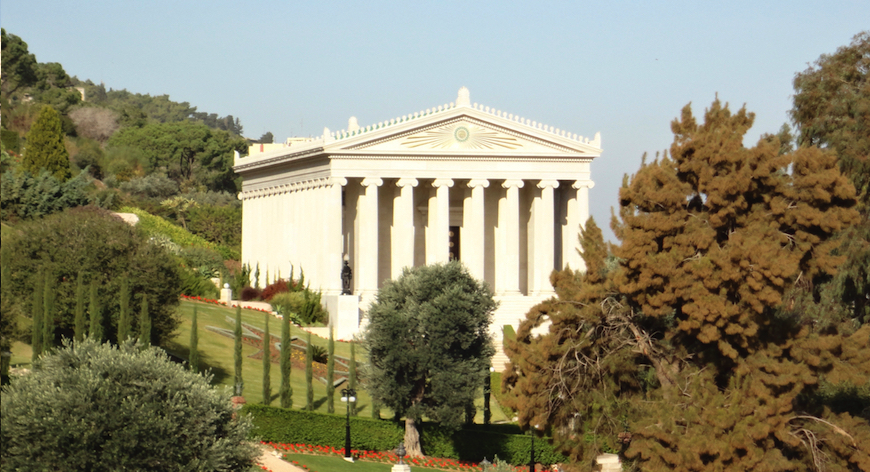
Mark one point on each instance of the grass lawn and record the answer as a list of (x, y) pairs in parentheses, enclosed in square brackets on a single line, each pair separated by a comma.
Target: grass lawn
[(336, 464)]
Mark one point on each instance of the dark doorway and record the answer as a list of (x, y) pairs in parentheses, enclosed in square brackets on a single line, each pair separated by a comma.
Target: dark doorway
[(453, 243)]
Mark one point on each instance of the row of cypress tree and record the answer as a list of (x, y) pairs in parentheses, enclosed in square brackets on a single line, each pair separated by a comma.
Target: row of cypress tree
[(43, 335)]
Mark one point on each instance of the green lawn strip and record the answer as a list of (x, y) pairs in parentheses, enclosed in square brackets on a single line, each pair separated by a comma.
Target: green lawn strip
[(316, 463)]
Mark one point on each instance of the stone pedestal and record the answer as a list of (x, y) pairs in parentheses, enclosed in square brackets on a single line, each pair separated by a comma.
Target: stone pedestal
[(227, 295), (401, 468), (343, 315)]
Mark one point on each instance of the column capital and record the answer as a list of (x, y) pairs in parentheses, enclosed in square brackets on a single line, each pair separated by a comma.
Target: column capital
[(518, 183), (578, 184), (338, 181), (478, 183), (442, 183), (548, 183), (369, 181), (406, 181)]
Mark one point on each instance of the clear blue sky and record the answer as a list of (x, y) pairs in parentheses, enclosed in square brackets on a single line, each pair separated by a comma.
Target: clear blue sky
[(622, 68)]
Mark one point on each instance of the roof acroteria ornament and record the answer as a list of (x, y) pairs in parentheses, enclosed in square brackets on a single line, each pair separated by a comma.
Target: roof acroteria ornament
[(464, 98)]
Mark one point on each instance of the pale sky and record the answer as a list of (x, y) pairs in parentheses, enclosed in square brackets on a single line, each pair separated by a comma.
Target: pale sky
[(621, 68)]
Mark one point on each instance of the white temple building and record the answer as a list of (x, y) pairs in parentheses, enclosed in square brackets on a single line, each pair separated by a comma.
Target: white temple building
[(503, 194)]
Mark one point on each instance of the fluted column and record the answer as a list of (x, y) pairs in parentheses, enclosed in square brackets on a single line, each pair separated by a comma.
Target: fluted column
[(474, 225), (578, 213), (544, 236), (333, 237), (441, 227), (510, 267), (402, 244), (368, 238)]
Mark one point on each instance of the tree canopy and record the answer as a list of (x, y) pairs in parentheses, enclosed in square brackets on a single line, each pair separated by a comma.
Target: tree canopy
[(680, 352), (93, 407), (429, 345), (45, 147)]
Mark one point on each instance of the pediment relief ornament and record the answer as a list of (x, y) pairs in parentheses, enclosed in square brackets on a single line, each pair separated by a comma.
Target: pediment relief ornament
[(461, 136)]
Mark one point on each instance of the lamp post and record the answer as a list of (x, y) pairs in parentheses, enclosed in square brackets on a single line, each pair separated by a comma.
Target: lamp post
[(487, 388), (348, 395), (532, 459)]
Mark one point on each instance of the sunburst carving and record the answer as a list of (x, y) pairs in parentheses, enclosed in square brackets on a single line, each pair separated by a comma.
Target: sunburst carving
[(461, 136)]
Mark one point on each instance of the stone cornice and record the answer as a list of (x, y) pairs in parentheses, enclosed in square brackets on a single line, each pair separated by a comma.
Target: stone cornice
[(289, 188), (278, 159)]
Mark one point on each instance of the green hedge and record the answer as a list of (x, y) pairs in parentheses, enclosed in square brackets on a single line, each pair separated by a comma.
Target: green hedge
[(471, 444)]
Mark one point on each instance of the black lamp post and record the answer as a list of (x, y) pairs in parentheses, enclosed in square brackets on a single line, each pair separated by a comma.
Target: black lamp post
[(487, 388), (532, 459), (348, 395)]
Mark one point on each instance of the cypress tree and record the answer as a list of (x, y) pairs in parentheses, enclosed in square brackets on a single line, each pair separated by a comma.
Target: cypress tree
[(330, 373), (309, 374), (123, 315), (257, 277), (80, 309), (194, 343), (267, 363), (45, 147), (48, 300), (286, 364), (144, 324), (36, 313), (237, 353), (351, 379), (96, 312)]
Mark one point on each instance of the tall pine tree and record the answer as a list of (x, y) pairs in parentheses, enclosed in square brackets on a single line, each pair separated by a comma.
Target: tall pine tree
[(237, 353), (309, 374), (45, 147), (194, 342), (267, 362), (286, 392)]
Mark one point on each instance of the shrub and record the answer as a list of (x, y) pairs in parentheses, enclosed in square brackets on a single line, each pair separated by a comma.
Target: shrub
[(305, 305), (142, 412), (25, 196), (249, 293), (281, 286)]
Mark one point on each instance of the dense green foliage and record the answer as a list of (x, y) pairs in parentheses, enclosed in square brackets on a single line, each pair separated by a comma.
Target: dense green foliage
[(686, 330), (429, 346), (267, 361), (471, 444), (25, 196), (286, 391), (103, 248), (142, 412), (45, 148)]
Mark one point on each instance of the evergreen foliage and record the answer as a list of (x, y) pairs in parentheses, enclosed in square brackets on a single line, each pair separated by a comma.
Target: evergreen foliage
[(309, 374), (330, 373), (267, 362), (194, 343), (429, 345), (95, 327), (36, 317), (678, 352), (26, 196), (351, 376), (237, 353), (48, 312), (145, 325), (80, 328), (92, 241), (9, 313), (286, 392), (123, 312), (142, 412), (45, 148)]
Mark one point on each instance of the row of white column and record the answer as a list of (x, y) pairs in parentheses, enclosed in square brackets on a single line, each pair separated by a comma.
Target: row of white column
[(507, 273)]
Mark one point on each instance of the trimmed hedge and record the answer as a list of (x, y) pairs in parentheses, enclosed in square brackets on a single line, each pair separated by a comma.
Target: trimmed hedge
[(470, 444), (155, 225)]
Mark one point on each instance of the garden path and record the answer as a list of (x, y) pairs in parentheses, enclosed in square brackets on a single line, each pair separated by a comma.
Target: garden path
[(274, 463)]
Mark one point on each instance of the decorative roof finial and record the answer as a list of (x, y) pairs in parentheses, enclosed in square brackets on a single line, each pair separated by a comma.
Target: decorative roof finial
[(352, 124), (464, 98)]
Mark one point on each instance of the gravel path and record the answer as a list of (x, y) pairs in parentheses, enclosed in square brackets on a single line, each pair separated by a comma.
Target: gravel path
[(274, 462)]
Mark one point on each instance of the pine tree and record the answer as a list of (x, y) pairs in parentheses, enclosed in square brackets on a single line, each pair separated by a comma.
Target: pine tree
[(124, 307), (351, 378), (95, 330), (194, 343), (80, 327), (309, 374), (48, 312), (36, 315), (45, 147), (237, 353), (267, 363), (330, 374), (144, 324), (286, 365)]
